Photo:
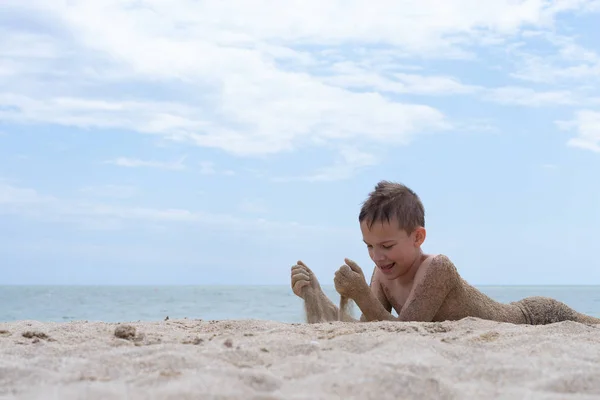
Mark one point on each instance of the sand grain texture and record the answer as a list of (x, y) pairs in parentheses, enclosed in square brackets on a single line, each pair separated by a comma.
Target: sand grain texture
[(192, 359)]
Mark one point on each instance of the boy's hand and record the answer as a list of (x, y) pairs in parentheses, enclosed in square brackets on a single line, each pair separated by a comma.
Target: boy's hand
[(349, 280), (303, 279)]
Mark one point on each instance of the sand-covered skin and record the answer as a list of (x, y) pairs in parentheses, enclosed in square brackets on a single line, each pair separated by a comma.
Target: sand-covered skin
[(193, 359)]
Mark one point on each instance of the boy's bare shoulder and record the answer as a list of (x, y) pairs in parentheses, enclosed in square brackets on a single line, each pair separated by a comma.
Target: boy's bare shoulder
[(440, 264)]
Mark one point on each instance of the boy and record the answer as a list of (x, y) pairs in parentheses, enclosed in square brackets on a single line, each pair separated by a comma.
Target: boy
[(418, 286)]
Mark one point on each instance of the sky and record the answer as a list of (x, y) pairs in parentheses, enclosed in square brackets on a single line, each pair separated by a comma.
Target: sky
[(218, 142)]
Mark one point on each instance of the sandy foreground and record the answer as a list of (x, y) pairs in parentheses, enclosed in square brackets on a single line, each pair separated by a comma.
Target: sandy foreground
[(260, 360)]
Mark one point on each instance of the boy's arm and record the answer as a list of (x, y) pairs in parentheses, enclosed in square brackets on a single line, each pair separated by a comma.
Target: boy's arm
[(378, 293), (430, 290), (427, 296)]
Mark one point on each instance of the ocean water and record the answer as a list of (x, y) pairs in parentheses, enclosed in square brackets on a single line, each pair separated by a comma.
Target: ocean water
[(154, 303)]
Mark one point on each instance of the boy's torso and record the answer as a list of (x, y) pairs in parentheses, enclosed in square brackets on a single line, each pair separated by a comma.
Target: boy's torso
[(397, 292), (462, 301)]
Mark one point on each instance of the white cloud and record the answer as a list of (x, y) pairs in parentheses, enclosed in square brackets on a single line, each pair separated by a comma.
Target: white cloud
[(207, 168), (587, 125), (112, 191), (350, 75), (542, 70), (248, 77), (13, 195), (137, 163), (93, 215), (569, 62), (550, 166), (144, 116), (349, 161), (253, 206), (531, 98)]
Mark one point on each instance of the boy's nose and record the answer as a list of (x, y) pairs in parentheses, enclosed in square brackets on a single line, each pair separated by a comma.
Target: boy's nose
[(378, 256)]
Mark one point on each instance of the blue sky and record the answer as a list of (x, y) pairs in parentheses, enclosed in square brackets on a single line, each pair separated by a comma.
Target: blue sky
[(219, 142)]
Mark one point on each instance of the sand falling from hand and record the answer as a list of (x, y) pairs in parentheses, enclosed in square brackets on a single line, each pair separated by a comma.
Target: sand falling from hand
[(344, 308), (320, 309)]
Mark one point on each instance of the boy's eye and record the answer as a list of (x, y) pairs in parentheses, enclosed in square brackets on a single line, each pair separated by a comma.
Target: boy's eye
[(388, 247)]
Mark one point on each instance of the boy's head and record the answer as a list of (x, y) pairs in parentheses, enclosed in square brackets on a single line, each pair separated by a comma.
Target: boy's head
[(392, 221)]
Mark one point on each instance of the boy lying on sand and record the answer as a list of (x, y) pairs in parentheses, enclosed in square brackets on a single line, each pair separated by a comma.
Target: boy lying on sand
[(420, 287)]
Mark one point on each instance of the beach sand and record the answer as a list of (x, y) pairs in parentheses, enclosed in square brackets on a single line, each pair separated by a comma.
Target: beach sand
[(260, 360)]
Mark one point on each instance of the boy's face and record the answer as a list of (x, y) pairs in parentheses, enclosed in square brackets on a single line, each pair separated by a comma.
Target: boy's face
[(391, 248)]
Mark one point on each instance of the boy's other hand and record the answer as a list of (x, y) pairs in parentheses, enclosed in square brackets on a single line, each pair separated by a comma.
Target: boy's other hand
[(303, 280), (349, 280)]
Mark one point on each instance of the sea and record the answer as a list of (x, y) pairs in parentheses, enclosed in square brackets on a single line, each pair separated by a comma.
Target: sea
[(155, 303)]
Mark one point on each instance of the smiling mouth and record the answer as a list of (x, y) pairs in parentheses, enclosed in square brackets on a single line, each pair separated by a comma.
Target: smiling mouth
[(387, 267)]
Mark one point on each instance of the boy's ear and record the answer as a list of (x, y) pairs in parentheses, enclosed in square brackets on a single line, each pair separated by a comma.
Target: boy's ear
[(420, 235)]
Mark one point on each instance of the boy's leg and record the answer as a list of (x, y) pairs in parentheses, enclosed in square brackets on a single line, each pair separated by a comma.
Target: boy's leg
[(540, 310)]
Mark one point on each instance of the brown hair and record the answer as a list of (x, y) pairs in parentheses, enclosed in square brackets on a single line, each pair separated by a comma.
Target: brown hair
[(392, 200)]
